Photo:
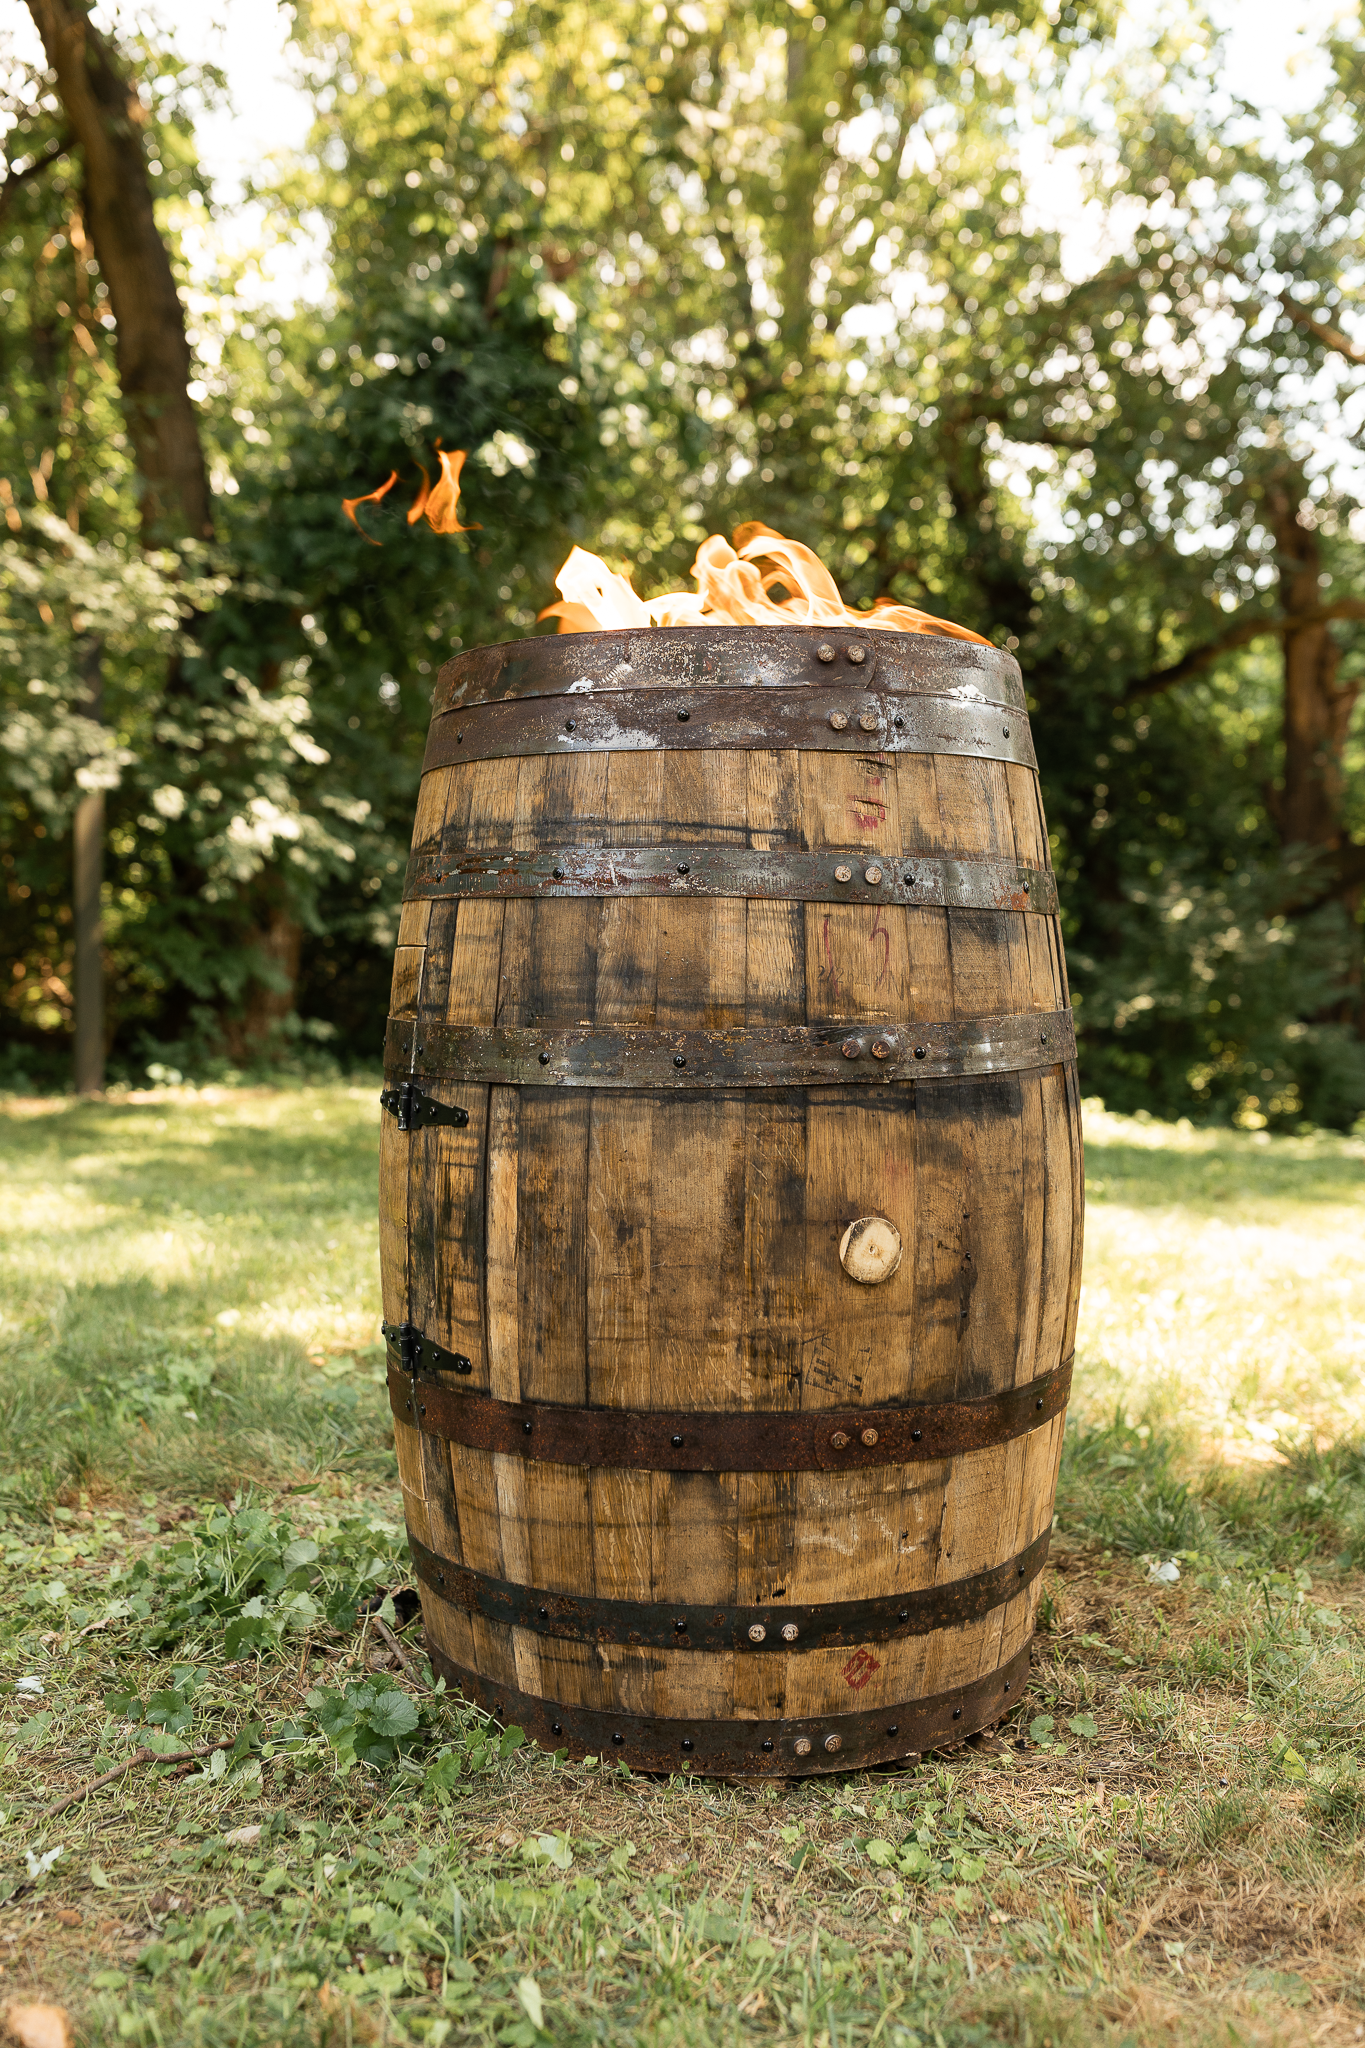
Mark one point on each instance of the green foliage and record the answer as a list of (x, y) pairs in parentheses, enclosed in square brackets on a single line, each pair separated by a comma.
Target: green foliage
[(661, 272), (242, 1578), (371, 1724)]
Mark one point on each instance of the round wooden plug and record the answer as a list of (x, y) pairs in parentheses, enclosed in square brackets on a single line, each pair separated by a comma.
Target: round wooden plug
[(870, 1249)]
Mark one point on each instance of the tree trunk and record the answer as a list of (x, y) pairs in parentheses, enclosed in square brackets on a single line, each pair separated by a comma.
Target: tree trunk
[(1309, 811), (1317, 703), (87, 880), (278, 940), (107, 119), (153, 355)]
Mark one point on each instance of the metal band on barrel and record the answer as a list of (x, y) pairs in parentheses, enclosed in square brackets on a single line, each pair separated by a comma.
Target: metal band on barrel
[(851, 875), (840, 719), (710, 1440), (749, 1056), (775, 1630), (734, 657), (826, 1742)]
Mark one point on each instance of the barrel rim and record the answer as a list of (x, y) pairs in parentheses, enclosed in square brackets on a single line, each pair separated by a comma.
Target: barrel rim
[(659, 656)]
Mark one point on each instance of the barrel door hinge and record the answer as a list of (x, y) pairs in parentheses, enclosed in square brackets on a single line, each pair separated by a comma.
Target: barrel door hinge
[(415, 1350), (415, 1111)]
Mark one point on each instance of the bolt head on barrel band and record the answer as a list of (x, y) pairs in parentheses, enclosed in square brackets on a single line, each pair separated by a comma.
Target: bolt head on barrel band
[(790, 1631), (758, 1634), (838, 720), (870, 1249), (868, 720), (843, 873), (802, 1745)]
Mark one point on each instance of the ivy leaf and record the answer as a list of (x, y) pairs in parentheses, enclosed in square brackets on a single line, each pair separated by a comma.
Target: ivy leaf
[(392, 1714)]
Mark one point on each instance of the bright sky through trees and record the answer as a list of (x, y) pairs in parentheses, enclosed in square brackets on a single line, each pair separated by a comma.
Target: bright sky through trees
[(1273, 59)]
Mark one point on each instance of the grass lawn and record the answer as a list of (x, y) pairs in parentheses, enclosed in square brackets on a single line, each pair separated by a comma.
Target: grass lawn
[(204, 1574)]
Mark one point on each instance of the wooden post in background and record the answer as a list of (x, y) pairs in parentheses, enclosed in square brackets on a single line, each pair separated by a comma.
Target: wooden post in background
[(87, 878)]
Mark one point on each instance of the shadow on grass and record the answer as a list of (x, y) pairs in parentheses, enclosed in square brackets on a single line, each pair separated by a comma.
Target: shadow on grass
[(167, 1155), (131, 1393), (1141, 1490), (1225, 1167)]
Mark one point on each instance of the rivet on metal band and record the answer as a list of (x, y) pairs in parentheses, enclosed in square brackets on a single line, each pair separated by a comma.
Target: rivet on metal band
[(749, 1748), (750, 1631), (749, 1056), (756, 874), (751, 1440)]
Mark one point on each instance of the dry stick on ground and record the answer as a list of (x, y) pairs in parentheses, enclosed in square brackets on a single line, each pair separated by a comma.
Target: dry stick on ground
[(399, 1652), (139, 1756)]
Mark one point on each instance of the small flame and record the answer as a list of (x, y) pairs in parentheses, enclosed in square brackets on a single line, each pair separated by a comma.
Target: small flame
[(734, 588), (437, 503), (348, 506), (442, 505)]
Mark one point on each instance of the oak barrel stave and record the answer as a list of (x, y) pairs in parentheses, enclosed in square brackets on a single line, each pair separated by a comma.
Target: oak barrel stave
[(677, 1250)]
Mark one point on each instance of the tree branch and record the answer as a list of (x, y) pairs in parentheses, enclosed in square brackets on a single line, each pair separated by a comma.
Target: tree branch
[(139, 1756), (1330, 337), (14, 179), (1240, 634)]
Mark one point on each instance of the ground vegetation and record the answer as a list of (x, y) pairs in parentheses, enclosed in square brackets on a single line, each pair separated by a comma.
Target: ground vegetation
[(233, 1808)]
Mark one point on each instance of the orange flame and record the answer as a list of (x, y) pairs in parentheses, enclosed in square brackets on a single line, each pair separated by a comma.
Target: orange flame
[(438, 504), (348, 506), (441, 505), (734, 588), (735, 585), (419, 503)]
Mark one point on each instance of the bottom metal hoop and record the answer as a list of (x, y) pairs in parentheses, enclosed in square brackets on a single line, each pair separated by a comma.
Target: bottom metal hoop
[(750, 1749)]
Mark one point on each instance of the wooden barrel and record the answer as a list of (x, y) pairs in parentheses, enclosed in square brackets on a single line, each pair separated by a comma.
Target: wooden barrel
[(731, 1193)]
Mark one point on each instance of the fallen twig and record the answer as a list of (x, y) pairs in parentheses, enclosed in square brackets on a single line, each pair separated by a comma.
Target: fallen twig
[(139, 1756), (399, 1652)]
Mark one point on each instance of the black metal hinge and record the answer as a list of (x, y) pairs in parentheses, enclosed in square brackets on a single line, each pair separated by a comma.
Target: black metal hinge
[(415, 1111), (414, 1350)]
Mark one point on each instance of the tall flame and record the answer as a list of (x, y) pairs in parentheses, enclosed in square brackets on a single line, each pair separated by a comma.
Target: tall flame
[(735, 587)]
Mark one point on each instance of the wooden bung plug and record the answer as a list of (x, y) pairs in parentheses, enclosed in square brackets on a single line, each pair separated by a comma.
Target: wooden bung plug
[(870, 1249)]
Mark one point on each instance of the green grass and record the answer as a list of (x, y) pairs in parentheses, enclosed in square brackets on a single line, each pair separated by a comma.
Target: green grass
[(1166, 1841)]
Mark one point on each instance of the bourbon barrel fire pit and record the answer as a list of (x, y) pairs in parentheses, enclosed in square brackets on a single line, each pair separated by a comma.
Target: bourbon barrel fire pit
[(731, 1193)]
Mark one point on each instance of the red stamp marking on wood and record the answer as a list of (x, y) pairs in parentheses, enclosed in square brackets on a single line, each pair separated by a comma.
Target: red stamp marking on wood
[(869, 813), (859, 1669)]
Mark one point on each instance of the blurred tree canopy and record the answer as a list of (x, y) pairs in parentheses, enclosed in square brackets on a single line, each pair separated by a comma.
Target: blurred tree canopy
[(660, 269)]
